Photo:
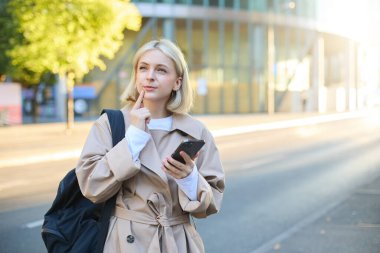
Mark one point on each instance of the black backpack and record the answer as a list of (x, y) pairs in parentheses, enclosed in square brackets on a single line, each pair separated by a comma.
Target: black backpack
[(74, 223)]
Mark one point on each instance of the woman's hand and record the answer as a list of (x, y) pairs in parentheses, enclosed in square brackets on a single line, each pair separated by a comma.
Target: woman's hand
[(177, 169), (139, 115)]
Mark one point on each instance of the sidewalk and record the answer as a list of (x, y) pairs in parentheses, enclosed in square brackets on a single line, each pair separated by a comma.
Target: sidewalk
[(25, 144)]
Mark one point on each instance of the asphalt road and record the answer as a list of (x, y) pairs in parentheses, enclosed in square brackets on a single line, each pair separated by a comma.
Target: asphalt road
[(300, 189)]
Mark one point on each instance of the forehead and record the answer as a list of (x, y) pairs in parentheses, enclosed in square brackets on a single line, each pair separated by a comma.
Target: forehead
[(156, 57)]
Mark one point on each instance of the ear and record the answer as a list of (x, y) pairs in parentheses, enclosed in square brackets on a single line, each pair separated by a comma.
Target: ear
[(177, 84)]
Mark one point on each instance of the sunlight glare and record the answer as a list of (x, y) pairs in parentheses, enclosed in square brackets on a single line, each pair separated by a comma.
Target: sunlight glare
[(349, 18)]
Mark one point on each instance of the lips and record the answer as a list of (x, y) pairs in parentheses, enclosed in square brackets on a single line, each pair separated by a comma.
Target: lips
[(149, 88)]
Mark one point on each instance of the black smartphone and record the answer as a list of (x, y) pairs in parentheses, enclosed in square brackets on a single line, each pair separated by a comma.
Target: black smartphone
[(190, 147)]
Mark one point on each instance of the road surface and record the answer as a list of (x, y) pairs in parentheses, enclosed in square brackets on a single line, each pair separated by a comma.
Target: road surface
[(310, 188)]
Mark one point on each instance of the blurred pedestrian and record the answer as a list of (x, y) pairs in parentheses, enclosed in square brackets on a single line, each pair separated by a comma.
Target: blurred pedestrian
[(156, 195)]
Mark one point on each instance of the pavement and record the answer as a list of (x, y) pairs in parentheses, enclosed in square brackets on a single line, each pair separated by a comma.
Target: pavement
[(356, 220)]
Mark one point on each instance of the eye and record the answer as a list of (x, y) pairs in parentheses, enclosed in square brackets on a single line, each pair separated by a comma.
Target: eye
[(161, 70), (142, 68)]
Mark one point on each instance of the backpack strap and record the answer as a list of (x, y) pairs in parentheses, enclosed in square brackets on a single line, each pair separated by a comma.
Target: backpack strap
[(116, 120)]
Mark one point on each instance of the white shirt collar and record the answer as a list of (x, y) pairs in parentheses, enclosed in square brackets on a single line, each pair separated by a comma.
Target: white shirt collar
[(161, 124)]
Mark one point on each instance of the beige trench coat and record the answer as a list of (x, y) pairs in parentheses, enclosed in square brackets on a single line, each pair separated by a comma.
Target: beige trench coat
[(152, 213)]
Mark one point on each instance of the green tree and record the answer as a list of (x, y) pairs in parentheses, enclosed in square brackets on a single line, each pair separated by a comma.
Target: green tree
[(10, 35), (67, 37), (7, 30)]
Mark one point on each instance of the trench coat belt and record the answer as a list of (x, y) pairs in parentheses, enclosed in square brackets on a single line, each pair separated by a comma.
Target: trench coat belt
[(163, 232), (159, 220)]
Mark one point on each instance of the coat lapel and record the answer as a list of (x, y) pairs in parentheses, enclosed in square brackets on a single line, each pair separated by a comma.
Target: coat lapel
[(150, 158)]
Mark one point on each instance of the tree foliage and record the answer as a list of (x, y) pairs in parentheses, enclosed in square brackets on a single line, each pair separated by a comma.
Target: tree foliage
[(67, 36)]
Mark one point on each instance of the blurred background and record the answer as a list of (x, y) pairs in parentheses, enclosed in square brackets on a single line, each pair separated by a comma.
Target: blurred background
[(247, 56), (290, 89)]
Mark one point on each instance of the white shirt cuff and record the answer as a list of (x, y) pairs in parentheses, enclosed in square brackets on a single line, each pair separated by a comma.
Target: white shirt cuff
[(137, 139), (189, 184)]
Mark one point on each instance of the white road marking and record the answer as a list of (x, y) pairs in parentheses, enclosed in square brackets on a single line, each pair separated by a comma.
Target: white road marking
[(283, 124), (40, 158), (30, 225)]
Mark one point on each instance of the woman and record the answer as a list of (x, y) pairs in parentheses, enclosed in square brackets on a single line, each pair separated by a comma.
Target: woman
[(156, 194)]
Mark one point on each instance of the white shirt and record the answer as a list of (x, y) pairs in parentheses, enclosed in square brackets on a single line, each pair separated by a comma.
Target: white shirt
[(137, 139)]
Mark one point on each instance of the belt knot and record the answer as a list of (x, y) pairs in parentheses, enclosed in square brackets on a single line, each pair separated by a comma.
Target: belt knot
[(163, 221)]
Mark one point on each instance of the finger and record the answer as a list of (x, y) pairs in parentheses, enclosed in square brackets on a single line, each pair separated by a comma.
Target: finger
[(172, 170), (174, 162), (144, 113), (139, 117), (167, 171), (183, 169), (186, 157), (141, 114), (139, 100)]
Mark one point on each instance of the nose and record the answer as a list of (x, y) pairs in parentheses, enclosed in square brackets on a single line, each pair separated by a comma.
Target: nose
[(150, 74)]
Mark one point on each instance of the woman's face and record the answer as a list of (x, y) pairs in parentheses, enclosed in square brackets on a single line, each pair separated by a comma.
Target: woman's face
[(156, 74)]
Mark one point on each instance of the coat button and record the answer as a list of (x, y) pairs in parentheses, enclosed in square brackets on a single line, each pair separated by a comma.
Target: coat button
[(130, 238)]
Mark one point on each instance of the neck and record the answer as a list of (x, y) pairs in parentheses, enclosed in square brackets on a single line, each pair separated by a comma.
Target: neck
[(157, 111)]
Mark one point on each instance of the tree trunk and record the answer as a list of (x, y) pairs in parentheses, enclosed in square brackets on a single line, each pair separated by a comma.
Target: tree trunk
[(34, 104), (70, 101)]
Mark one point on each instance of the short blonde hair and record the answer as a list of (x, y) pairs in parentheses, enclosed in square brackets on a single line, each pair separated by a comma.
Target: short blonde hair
[(181, 100)]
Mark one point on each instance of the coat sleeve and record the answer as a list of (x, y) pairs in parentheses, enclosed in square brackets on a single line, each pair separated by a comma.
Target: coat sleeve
[(210, 181), (102, 168)]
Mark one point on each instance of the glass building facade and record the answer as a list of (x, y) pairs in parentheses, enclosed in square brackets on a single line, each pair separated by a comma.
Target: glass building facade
[(252, 56)]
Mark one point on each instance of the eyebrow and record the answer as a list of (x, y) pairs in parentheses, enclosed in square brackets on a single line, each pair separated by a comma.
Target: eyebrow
[(158, 65)]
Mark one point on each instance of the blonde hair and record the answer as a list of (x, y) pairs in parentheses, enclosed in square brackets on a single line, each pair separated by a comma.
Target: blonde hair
[(182, 100)]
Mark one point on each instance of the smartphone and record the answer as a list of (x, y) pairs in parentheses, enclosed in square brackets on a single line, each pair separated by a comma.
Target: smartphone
[(190, 147)]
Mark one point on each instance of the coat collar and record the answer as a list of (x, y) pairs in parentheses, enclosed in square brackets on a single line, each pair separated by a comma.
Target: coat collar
[(187, 125)]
